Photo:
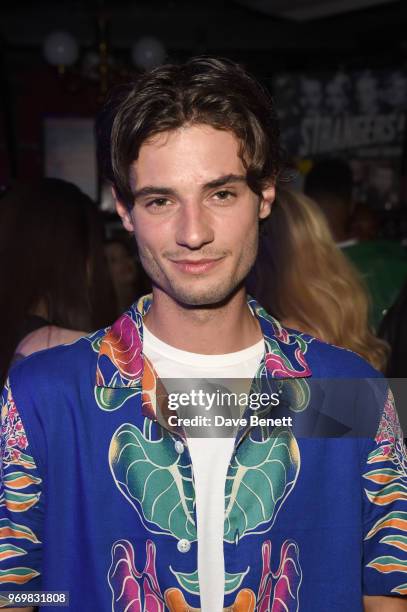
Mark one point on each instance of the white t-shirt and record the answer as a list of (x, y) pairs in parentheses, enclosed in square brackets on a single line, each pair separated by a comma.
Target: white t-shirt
[(210, 456)]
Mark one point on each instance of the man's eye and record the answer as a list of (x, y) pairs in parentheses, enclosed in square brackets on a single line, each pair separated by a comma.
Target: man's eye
[(157, 203), (224, 195)]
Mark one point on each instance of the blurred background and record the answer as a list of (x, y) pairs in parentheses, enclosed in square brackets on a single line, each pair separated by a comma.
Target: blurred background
[(337, 70)]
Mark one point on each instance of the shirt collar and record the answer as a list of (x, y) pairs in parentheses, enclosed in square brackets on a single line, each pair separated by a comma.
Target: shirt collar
[(121, 364)]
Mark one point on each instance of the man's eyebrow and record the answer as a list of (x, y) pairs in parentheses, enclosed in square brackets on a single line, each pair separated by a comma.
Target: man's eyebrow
[(168, 191), (223, 180), (153, 190)]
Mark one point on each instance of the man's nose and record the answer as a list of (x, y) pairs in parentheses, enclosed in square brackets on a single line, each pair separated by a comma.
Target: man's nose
[(194, 228)]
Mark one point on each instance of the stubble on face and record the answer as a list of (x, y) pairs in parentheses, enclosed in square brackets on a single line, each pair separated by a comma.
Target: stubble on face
[(208, 291)]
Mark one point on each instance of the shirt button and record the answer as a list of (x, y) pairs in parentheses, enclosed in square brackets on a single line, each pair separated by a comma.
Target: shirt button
[(179, 447), (183, 545)]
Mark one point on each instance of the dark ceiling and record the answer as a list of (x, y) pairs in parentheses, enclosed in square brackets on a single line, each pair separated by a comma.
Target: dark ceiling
[(261, 31)]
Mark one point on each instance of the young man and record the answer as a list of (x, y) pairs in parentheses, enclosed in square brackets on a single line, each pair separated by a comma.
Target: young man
[(103, 496)]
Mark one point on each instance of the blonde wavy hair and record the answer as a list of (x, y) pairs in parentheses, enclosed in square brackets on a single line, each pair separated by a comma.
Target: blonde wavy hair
[(307, 283)]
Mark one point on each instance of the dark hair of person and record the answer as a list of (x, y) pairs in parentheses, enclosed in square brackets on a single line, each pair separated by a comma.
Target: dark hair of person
[(329, 178), (393, 329), (142, 280), (51, 238), (203, 90)]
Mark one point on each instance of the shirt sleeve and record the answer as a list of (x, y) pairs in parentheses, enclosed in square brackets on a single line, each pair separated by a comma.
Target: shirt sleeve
[(385, 509), (21, 509)]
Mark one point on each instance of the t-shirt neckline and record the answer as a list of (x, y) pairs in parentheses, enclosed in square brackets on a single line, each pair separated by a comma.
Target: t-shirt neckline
[(185, 357)]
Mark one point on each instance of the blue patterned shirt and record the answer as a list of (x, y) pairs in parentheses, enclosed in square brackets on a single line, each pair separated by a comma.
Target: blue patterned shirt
[(98, 494)]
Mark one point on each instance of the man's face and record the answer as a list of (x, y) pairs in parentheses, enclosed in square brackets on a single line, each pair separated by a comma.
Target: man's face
[(194, 217)]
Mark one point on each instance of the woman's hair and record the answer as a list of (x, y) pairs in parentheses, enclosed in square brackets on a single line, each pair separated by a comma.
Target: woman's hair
[(142, 282), (204, 90), (51, 253), (305, 281), (393, 329)]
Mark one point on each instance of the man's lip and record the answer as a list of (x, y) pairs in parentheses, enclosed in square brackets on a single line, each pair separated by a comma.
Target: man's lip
[(195, 261), (196, 266)]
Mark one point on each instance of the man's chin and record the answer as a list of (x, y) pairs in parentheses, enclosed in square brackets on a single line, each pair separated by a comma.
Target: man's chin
[(205, 298)]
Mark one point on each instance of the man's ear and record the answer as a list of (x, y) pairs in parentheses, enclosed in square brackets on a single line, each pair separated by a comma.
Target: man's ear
[(267, 198), (123, 212)]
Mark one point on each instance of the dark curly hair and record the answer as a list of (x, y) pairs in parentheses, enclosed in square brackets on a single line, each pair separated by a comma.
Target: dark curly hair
[(216, 92)]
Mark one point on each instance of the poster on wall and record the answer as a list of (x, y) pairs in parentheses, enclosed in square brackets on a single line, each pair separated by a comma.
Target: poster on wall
[(360, 116), (70, 151)]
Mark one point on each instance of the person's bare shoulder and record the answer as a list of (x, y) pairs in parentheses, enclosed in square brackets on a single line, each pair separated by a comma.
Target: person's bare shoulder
[(18, 609), (47, 337)]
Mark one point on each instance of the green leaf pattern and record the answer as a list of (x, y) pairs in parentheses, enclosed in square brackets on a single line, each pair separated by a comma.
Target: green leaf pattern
[(260, 477), (111, 399), (154, 479), (190, 582)]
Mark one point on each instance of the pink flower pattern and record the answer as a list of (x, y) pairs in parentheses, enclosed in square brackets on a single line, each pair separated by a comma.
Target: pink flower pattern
[(284, 595), (134, 591), (389, 428), (14, 439)]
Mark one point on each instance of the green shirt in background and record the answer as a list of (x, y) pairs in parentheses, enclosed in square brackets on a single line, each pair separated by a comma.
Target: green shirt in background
[(383, 266)]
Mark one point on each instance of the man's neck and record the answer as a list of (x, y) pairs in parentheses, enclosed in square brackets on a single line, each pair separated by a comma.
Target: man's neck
[(215, 330)]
